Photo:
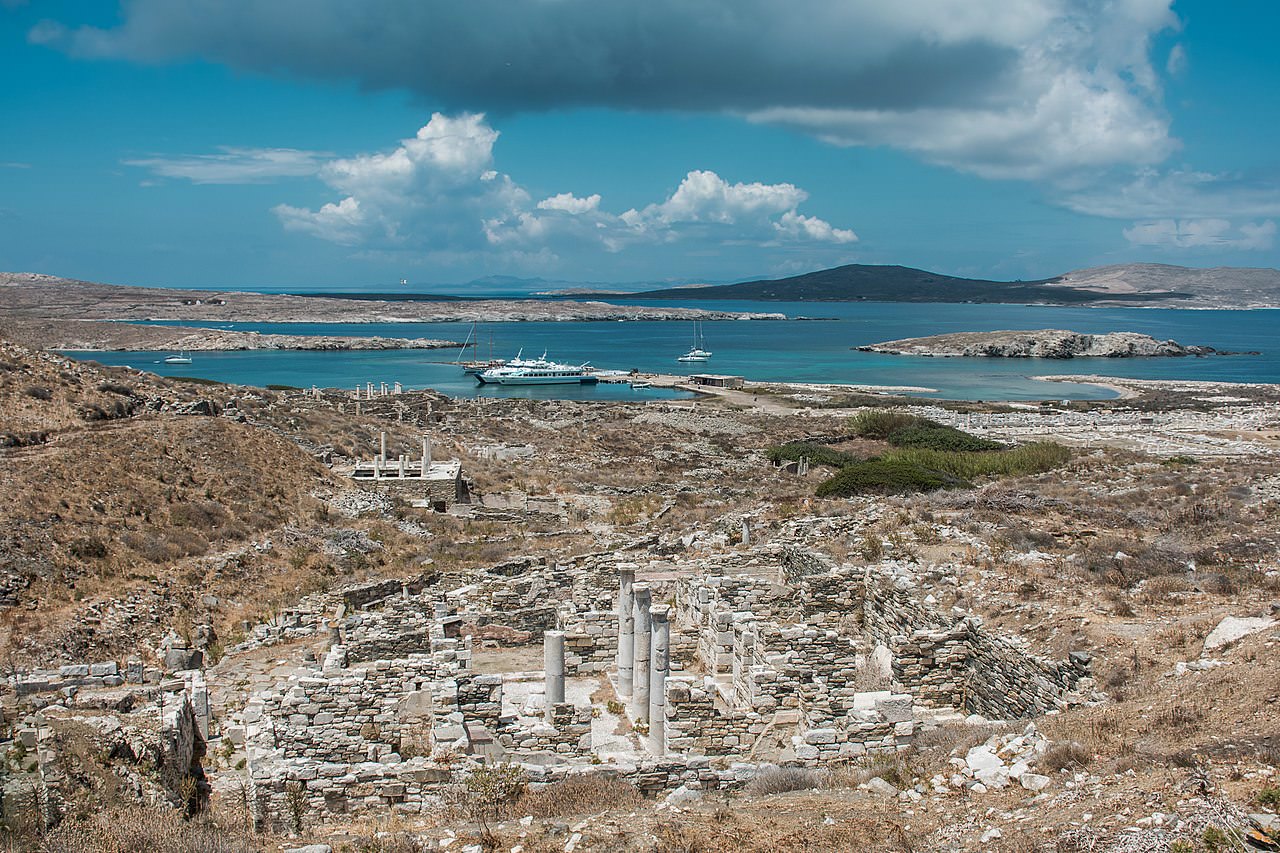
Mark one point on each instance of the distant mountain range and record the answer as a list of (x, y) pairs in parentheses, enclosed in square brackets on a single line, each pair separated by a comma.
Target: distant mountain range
[(1220, 287)]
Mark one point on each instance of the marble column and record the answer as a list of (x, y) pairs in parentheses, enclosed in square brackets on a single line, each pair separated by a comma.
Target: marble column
[(659, 665), (642, 628), (426, 455), (626, 626), (553, 661)]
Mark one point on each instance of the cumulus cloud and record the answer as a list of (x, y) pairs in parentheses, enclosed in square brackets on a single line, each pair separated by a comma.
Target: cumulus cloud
[(1203, 234), (1029, 89), (570, 203), (235, 165), (1177, 61), (439, 192)]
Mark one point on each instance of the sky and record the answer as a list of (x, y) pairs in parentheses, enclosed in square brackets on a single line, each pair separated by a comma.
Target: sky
[(318, 144)]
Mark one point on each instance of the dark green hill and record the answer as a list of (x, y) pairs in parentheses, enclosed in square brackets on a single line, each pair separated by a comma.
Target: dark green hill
[(856, 282)]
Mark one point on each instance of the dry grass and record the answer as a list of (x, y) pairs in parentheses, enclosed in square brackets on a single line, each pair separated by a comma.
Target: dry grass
[(139, 830), (585, 794)]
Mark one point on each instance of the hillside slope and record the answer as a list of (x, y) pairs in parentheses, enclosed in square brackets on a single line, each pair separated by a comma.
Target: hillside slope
[(1140, 284), (855, 282)]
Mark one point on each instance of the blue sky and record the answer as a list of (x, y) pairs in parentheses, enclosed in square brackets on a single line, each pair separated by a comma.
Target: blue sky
[(323, 144)]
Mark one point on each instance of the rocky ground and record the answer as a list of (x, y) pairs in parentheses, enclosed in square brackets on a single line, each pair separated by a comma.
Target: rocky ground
[(138, 508)]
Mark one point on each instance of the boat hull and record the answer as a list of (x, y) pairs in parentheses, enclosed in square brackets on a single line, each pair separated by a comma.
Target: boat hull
[(536, 380)]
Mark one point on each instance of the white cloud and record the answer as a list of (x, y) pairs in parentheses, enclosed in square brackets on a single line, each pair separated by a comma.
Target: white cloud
[(1177, 62), (1032, 89), (569, 203), (706, 197), (438, 192), (343, 222), (797, 225), (1203, 234), (1178, 194), (235, 165)]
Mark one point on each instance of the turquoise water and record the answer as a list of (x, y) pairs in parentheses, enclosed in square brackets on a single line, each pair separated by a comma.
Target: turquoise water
[(776, 350)]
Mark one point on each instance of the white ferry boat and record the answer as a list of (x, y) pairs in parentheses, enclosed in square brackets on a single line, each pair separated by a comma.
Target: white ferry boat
[(537, 371)]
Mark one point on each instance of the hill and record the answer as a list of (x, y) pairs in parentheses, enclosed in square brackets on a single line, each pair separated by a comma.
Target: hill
[(1219, 287)]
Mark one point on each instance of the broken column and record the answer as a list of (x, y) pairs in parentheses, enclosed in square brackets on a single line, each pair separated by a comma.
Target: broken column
[(746, 533), (642, 642), (404, 466), (383, 453), (426, 455), (397, 388), (368, 390), (626, 627), (659, 664), (553, 661)]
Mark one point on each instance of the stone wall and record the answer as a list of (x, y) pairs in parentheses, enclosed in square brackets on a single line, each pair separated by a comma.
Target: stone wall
[(351, 716), (590, 641)]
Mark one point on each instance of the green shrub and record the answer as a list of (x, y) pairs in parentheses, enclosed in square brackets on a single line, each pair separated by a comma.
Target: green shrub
[(819, 454), (1269, 797), (931, 436), (1033, 458), (880, 424), (884, 476)]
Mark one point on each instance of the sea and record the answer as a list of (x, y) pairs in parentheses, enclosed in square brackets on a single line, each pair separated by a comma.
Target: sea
[(814, 345)]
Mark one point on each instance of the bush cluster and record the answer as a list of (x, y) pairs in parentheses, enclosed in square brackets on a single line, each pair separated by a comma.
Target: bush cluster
[(819, 454), (887, 477), (880, 424), (934, 436), (928, 456), (1035, 458)]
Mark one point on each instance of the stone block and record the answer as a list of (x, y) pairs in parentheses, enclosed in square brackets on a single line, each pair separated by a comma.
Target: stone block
[(104, 669), (1033, 781)]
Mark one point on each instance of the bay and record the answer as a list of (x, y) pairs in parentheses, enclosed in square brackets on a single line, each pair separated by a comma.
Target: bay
[(813, 350)]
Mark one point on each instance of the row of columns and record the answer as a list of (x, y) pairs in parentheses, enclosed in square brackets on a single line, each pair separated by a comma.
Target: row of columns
[(644, 654), (382, 390), (380, 461), (644, 658)]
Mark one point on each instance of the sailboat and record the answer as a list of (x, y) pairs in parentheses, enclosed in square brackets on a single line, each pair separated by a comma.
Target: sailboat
[(697, 352), (478, 365), (180, 358)]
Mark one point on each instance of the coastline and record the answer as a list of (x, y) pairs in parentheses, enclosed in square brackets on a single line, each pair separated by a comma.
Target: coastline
[(97, 336)]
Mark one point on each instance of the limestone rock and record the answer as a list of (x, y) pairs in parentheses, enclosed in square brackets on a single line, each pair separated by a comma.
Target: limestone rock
[(1234, 628)]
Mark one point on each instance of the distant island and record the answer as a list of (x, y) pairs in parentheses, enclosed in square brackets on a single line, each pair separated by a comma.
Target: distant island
[(38, 296), (1120, 284), (1042, 343)]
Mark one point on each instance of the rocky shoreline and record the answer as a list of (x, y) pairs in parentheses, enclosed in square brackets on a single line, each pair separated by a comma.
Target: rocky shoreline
[(90, 336), (1042, 343)]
